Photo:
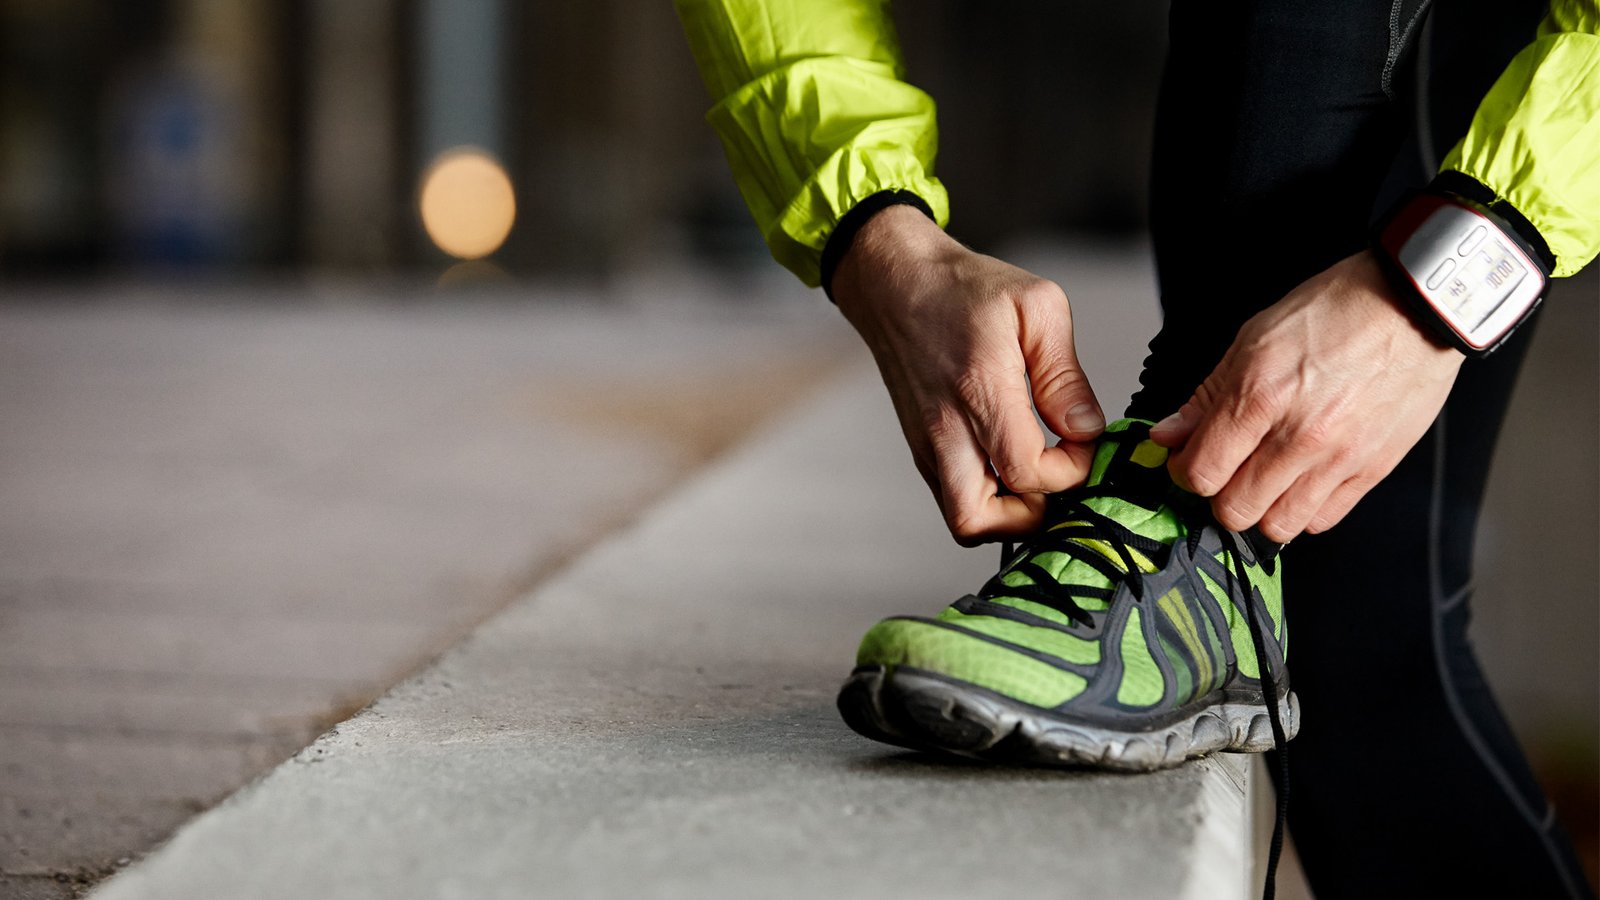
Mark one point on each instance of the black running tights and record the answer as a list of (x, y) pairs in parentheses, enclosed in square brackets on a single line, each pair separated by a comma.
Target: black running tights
[(1282, 128)]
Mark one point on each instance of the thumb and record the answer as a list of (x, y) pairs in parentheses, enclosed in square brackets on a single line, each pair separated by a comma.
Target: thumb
[(1176, 429), (1061, 390)]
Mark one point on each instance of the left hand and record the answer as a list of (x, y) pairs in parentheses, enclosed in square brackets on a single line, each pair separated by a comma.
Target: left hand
[(1318, 399)]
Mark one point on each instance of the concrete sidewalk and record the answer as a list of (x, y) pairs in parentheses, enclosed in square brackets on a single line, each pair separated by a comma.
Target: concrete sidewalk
[(231, 517), (657, 721)]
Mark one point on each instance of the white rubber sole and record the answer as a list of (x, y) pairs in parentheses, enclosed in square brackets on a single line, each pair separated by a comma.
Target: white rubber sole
[(922, 711)]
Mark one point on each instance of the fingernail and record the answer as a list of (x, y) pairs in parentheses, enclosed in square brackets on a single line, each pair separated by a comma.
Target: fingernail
[(1170, 423), (1085, 418)]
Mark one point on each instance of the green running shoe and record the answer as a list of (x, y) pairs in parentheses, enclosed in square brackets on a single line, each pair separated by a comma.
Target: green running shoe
[(1125, 636)]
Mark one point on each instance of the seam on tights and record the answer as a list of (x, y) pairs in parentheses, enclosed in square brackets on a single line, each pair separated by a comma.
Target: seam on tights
[(1398, 39), (1437, 602)]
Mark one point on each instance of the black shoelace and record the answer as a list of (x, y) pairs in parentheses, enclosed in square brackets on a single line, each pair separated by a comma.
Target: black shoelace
[(1269, 690), (1088, 524)]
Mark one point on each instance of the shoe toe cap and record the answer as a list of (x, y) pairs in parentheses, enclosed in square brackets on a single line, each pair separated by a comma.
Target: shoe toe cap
[(960, 655)]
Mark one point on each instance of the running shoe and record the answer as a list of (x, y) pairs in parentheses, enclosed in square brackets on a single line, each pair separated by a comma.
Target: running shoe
[(1125, 635)]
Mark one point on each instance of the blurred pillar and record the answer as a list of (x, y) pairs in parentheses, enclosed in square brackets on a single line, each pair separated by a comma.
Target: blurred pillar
[(461, 94), (462, 82), (198, 161), (229, 44), (616, 153), (352, 151), (53, 59)]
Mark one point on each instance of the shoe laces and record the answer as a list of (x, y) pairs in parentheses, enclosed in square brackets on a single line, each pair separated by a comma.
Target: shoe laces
[(1078, 529), (1077, 526), (1269, 692)]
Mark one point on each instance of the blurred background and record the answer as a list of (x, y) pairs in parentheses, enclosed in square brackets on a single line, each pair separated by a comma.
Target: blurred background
[(314, 313), (263, 135)]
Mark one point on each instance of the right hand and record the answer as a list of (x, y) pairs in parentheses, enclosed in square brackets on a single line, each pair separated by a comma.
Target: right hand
[(959, 337)]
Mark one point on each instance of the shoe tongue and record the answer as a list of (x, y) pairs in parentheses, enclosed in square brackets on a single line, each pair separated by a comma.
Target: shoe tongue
[(1127, 459), (1131, 473), (1132, 470)]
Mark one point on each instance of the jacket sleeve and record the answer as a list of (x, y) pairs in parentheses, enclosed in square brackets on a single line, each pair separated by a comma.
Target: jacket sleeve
[(814, 114), (1535, 139)]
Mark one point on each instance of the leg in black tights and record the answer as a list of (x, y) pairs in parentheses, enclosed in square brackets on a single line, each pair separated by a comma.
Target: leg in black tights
[(1276, 134)]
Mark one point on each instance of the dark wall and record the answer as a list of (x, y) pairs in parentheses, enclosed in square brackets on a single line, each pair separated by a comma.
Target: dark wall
[(1045, 110)]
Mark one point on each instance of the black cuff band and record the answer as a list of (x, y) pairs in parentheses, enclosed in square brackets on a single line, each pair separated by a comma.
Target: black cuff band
[(1452, 182), (845, 232)]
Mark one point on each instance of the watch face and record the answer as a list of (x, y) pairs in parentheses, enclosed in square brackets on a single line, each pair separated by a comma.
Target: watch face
[(1477, 280), (1474, 287)]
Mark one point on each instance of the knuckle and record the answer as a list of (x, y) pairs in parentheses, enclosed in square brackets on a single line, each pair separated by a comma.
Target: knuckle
[(1233, 515), (1326, 519), (1254, 337), (1198, 479), (1020, 477), (971, 385), (1042, 291), (1277, 530), (942, 424), (1259, 404), (1311, 436), (1337, 507), (1346, 455), (1357, 487), (964, 526), (1060, 379)]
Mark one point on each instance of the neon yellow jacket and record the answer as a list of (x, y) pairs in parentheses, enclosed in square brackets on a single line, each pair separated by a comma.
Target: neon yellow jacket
[(815, 115)]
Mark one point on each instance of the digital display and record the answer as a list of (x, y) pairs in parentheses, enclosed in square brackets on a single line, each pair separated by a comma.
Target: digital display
[(1480, 283), (1472, 274)]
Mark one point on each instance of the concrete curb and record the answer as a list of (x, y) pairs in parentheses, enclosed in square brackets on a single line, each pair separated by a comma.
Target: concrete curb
[(657, 721)]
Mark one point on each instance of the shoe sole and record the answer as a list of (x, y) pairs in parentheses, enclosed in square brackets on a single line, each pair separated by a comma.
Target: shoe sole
[(923, 711)]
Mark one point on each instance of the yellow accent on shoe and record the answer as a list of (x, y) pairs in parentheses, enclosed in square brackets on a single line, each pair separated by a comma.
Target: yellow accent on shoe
[(1149, 454)]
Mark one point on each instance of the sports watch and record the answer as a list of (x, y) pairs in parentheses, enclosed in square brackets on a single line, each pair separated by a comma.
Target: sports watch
[(1466, 273)]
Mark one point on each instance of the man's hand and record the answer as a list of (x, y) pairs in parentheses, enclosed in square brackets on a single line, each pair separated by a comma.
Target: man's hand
[(967, 345), (1318, 399)]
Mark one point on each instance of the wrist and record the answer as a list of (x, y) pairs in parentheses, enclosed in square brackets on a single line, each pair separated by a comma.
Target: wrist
[(843, 237), (885, 242), (1397, 314)]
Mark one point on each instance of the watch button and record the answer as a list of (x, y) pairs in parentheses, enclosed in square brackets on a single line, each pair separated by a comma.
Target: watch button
[(1471, 241), (1441, 273)]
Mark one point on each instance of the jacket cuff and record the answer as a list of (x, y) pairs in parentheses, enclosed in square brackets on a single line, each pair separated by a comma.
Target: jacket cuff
[(1463, 185)]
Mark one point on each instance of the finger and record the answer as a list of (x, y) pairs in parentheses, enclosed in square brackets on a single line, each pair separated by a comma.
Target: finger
[(1293, 513), (1002, 420), (1226, 435), (1278, 463), (1336, 506), (1061, 390), (1175, 430), (1079, 460), (974, 510), (1350, 492)]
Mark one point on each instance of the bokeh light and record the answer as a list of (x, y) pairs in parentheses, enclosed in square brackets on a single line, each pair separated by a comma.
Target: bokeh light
[(467, 203)]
